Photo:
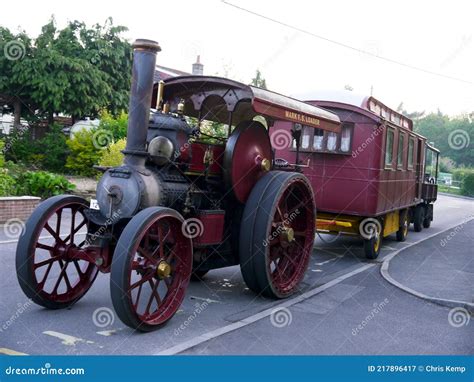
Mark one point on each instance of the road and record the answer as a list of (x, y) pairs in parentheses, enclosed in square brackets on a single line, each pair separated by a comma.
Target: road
[(341, 290)]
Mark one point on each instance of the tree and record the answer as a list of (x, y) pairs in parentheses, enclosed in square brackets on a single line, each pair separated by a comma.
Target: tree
[(258, 80), (76, 71)]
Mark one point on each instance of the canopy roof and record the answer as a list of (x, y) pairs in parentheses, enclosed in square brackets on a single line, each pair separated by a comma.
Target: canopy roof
[(214, 98)]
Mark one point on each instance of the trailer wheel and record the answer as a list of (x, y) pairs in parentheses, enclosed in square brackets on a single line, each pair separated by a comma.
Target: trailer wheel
[(277, 233), (151, 268), (402, 232), (418, 218), (427, 223), (45, 272), (372, 246)]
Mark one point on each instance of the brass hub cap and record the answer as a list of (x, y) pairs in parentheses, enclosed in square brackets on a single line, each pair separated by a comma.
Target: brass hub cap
[(265, 164), (163, 270), (287, 234)]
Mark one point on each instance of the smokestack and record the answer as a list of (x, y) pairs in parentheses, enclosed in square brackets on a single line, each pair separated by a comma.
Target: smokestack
[(198, 68), (144, 61)]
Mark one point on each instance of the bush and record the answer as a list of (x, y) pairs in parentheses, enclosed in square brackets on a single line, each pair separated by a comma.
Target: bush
[(112, 156), (7, 183), (2, 157), (467, 187), (460, 173), (117, 126), (48, 153), (53, 149), (43, 184), (83, 153)]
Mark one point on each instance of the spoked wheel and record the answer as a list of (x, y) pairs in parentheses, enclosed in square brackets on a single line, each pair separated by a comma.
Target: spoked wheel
[(151, 268), (45, 271), (402, 232), (277, 233)]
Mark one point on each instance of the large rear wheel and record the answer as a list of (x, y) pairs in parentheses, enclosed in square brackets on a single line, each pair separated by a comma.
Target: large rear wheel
[(151, 268), (277, 234), (46, 272), (418, 218)]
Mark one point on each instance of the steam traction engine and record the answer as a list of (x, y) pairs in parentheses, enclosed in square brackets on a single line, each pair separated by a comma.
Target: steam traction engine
[(181, 203)]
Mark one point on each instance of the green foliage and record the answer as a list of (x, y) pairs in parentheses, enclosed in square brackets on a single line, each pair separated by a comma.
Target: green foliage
[(112, 156), (2, 157), (47, 153), (258, 80), (460, 174), (467, 187), (117, 126), (54, 149), (454, 137), (77, 71), (43, 184), (83, 153), (7, 183)]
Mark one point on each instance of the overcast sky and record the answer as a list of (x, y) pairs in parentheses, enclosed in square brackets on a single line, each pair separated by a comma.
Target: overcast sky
[(434, 36)]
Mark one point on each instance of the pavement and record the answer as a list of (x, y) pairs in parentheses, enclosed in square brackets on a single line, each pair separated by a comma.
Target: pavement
[(345, 306), (440, 269)]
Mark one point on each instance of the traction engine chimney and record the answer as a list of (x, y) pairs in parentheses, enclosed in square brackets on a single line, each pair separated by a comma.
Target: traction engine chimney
[(144, 61)]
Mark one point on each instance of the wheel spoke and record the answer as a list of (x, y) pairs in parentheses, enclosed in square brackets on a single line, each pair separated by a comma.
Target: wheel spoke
[(61, 275), (144, 279), (45, 276), (44, 246), (45, 262), (58, 221), (52, 233)]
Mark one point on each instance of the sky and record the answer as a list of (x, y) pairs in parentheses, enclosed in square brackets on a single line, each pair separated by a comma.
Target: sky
[(432, 35)]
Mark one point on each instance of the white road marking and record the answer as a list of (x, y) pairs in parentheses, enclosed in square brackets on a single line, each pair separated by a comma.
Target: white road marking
[(66, 338), (208, 300), (108, 333), (256, 317), (10, 352)]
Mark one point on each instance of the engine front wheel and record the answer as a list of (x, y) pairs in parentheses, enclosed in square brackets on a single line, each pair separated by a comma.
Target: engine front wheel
[(277, 234), (151, 268), (46, 272)]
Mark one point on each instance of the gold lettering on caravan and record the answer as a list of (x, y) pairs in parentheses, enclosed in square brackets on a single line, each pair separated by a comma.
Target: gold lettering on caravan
[(301, 118)]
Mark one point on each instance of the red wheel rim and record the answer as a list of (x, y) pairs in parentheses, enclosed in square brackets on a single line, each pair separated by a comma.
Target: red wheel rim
[(287, 260), (59, 278), (153, 296)]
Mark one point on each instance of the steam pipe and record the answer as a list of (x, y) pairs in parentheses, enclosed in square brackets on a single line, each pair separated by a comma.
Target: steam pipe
[(143, 70)]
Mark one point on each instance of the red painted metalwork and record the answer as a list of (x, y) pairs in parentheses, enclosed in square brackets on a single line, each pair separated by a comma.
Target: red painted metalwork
[(287, 261), (161, 241), (358, 182), (75, 275), (212, 227), (204, 157)]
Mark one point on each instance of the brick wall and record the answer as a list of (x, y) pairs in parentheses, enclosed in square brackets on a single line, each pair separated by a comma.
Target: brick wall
[(19, 207)]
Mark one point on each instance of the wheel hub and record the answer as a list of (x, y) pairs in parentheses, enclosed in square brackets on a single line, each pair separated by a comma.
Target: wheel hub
[(287, 234), (163, 269)]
